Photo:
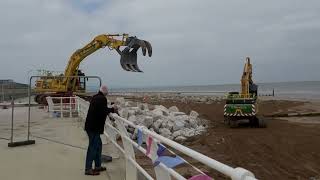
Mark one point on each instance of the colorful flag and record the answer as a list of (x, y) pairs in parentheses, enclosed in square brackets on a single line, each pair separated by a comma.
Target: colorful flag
[(149, 142), (139, 137), (200, 177), (168, 161), (161, 149)]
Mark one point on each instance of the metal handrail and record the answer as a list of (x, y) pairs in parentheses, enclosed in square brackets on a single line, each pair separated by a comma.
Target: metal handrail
[(222, 168)]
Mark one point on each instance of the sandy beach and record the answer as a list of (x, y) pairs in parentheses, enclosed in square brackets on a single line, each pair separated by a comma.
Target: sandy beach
[(287, 149)]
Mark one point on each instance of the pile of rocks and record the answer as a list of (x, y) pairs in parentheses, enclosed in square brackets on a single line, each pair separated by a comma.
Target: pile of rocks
[(170, 123)]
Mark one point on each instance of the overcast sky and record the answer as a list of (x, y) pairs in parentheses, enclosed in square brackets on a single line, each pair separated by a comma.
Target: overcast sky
[(194, 42)]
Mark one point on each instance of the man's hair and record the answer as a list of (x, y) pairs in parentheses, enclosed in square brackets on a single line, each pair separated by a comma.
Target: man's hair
[(104, 89)]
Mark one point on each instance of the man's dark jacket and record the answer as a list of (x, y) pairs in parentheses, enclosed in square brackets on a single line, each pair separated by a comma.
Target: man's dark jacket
[(97, 113)]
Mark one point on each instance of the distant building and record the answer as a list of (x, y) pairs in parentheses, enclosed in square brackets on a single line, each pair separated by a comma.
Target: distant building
[(6, 81), (9, 88), (10, 84)]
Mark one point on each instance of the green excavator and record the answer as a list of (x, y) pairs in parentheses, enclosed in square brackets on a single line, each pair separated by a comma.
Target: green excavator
[(243, 106)]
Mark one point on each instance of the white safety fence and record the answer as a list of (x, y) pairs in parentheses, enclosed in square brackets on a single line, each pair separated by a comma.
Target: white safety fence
[(63, 106), (155, 144)]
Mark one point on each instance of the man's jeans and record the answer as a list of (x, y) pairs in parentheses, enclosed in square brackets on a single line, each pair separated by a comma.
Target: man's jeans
[(94, 150)]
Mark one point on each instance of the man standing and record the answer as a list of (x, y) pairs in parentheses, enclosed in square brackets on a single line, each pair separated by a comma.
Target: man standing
[(94, 126)]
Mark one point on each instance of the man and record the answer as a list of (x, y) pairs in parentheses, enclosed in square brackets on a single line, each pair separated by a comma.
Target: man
[(94, 126)]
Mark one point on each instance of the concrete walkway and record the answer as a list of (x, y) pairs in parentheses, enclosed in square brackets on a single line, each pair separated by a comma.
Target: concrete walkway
[(59, 152)]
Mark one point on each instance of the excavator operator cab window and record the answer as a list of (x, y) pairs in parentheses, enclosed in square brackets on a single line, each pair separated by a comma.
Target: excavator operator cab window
[(82, 84)]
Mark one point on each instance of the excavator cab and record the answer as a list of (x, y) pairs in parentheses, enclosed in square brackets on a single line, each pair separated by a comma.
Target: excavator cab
[(128, 55)]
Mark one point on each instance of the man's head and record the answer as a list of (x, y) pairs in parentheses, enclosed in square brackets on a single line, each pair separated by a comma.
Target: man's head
[(104, 90)]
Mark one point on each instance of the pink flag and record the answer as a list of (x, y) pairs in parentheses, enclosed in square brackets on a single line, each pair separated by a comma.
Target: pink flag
[(149, 142), (200, 177)]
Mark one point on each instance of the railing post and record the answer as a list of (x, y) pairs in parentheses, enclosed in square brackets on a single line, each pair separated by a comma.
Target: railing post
[(161, 173), (70, 107), (131, 171), (61, 108)]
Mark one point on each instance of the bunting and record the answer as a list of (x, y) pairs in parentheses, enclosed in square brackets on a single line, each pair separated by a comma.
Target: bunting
[(161, 150), (139, 137), (168, 161), (149, 143)]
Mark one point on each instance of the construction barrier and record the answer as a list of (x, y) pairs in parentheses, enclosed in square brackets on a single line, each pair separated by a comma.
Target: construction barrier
[(63, 106)]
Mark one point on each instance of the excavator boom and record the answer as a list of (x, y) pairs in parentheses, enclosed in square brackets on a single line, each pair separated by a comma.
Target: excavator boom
[(128, 55), (127, 47)]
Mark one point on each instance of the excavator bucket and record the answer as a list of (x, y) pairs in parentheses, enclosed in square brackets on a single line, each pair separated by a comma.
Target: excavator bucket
[(128, 58)]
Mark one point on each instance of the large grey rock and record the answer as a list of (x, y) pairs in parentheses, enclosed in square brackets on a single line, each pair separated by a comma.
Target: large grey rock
[(177, 113), (190, 133), (201, 129), (193, 123), (168, 125), (143, 106), (180, 138), (181, 118), (170, 137), (141, 119), (178, 124), (157, 112), (164, 122), (138, 112), (120, 101), (124, 113), (177, 133), (164, 110), (127, 104), (132, 119), (157, 125), (147, 121), (131, 112), (134, 108), (173, 109), (165, 132), (194, 115)]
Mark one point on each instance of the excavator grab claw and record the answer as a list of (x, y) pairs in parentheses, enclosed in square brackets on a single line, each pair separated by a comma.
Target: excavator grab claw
[(128, 58)]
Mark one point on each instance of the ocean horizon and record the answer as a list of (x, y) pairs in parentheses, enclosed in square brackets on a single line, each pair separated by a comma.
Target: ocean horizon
[(296, 89)]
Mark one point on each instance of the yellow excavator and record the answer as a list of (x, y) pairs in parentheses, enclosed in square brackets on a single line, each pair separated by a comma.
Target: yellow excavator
[(244, 105), (73, 81)]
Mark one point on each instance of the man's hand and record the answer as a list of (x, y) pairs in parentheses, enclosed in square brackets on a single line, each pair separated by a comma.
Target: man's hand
[(115, 109)]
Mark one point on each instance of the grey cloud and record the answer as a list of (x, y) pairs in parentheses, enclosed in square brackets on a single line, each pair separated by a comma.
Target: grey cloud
[(195, 42)]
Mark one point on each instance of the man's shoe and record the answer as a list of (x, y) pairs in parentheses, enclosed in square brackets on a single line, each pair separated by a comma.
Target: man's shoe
[(92, 172), (99, 169)]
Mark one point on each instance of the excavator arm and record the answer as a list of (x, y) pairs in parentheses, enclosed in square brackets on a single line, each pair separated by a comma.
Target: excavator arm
[(128, 55), (248, 88)]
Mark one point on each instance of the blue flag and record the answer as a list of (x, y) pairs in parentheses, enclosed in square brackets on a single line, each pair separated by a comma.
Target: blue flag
[(139, 137), (161, 149), (168, 161)]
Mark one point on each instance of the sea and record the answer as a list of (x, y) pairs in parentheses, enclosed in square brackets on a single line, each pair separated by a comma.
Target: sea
[(295, 90)]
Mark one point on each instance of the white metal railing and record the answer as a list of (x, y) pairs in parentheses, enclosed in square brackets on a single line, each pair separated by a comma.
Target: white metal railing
[(60, 106), (162, 172)]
